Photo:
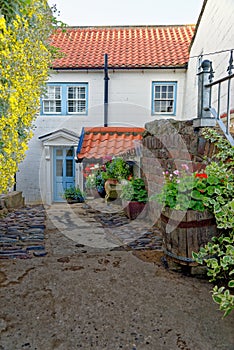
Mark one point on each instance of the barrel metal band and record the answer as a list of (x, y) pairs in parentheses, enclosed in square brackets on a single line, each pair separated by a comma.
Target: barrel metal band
[(188, 224), (182, 258)]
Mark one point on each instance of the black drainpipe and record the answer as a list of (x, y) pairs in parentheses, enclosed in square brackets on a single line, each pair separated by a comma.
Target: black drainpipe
[(106, 78)]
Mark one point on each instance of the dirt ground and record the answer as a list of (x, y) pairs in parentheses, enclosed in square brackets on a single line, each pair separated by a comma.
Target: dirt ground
[(85, 298)]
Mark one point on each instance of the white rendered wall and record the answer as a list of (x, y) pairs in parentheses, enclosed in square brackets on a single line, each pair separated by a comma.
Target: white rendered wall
[(130, 99), (215, 33)]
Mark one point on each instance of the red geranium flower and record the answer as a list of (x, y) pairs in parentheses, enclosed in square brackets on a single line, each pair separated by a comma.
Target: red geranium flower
[(202, 176)]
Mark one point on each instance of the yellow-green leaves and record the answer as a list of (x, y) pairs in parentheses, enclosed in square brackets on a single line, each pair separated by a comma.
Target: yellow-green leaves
[(25, 58)]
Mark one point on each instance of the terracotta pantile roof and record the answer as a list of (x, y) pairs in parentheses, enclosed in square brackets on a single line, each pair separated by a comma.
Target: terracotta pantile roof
[(101, 142), (127, 47)]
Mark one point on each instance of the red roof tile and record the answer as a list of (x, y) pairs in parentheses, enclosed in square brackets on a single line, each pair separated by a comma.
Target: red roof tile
[(101, 142), (127, 47)]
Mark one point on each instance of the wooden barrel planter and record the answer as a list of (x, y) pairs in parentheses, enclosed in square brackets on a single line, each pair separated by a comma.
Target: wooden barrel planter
[(182, 237)]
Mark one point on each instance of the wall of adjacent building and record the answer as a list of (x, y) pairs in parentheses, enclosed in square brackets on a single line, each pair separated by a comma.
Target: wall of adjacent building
[(215, 33)]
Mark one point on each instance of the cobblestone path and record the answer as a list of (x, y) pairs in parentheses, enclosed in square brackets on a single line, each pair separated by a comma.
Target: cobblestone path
[(22, 233)]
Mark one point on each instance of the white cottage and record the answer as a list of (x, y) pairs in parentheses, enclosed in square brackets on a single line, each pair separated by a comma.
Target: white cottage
[(144, 79)]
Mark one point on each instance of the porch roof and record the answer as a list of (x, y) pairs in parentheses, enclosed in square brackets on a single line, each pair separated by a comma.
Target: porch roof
[(101, 142)]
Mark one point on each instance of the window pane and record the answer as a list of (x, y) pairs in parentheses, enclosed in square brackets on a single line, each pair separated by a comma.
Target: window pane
[(157, 106), (69, 167), (71, 93), (170, 95), (59, 167), (59, 152), (81, 106), (57, 92), (71, 106), (81, 92), (58, 106), (46, 107), (157, 88), (70, 152), (170, 106), (163, 106)]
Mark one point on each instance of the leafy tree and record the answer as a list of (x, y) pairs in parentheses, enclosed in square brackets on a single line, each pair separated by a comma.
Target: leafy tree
[(25, 58)]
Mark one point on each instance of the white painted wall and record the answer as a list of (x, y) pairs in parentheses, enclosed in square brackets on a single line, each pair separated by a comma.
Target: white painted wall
[(130, 101), (133, 88), (215, 33)]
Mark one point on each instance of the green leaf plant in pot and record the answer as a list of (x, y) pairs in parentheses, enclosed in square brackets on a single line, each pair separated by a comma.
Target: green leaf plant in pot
[(115, 171), (73, 195), (134, 197)]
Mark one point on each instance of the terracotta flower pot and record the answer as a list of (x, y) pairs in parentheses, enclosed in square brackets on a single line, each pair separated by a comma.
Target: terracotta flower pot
[(133, 209)]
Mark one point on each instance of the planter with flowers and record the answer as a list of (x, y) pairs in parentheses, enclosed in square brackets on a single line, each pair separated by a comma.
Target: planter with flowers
[(134, 197), (116, 170), (185, 222), (106, 178)]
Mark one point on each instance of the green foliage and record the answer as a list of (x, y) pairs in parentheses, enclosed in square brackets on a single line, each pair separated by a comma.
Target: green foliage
[(10, 8), (225, 150), (183, 191), (117, 169), (223, 297), (25, 59), (74, 193), (219, 194), (100, 179), (218, 255), (135, 191)]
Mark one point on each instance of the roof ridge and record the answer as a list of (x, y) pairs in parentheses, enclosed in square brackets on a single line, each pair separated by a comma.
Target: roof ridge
[(130, 26)]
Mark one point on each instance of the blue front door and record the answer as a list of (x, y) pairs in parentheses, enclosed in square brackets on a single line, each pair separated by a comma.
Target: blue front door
[(64, 171)]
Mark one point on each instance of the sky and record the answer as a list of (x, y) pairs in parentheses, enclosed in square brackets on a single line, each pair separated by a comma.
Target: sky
[(127, 12)]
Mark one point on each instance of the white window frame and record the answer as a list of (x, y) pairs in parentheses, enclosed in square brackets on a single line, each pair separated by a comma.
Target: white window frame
[(64, 88), (77, 99), (51, 100), (165, 93)]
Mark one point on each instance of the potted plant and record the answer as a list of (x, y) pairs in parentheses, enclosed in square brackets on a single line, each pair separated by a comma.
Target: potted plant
[(73, 195), (106, 178), (185, 221), (115, 171), (134, 196)]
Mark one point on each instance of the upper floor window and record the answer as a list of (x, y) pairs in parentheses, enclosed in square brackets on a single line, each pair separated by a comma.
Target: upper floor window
[(61, 98), (164, 98), (52, 100), (76, 99)]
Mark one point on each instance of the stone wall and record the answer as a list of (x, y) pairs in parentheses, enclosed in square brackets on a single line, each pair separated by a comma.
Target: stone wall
[(11, 200), (167, 144)]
